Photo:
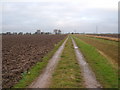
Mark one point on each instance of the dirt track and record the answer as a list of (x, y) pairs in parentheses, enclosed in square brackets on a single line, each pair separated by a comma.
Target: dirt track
[(88, 75), (43, 80)]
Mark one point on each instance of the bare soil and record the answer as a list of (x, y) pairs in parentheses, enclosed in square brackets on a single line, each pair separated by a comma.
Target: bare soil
[(21, 52)]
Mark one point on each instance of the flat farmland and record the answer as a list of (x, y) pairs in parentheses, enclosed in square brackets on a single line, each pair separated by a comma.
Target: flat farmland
[(21, 52), (112, 37), (107, 35), (107, 48), (59, 61), (102, 56)]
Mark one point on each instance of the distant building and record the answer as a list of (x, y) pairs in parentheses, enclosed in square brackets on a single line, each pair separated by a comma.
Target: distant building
[(56, 31), (38, 32)]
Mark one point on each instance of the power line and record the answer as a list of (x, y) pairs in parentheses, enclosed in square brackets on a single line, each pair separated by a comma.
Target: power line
[(96, 29)]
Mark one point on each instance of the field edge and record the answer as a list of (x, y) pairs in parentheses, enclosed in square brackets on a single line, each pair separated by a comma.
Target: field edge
[(36, 70), (101, 76)]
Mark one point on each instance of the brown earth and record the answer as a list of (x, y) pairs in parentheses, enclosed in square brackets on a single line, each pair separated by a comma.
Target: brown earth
[(21, 52)]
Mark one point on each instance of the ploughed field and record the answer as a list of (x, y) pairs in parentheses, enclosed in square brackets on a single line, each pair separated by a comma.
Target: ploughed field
[(21, 52)]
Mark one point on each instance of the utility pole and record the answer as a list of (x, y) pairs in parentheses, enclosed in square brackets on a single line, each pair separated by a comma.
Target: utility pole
[(75, 31), (96, 29)]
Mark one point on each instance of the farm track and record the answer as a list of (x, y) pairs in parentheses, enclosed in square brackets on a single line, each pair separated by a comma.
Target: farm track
[(67, 74), (88, 75), (89, 78), (44, 79)]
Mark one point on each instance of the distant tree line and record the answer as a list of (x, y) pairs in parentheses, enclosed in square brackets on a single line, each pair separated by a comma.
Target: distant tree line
[(55, 31), (15, 33)]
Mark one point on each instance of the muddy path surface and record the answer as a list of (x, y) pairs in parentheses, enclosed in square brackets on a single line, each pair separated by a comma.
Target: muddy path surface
[(87, 73), (43, 81)]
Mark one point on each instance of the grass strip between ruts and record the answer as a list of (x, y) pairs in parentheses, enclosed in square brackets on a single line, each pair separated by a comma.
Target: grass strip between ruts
[(67, 73)]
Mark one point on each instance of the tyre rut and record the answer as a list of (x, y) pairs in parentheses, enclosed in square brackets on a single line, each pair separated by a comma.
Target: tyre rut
[(43, 81), (87, 73)]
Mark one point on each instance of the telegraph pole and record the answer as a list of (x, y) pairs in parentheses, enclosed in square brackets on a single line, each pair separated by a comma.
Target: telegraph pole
[(96, 29), (75, 31)]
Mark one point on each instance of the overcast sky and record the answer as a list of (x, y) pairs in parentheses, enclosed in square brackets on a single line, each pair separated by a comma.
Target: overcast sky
[(67, 15)]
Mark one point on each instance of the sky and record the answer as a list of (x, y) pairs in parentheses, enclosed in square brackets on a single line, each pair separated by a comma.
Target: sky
[(82, 16)]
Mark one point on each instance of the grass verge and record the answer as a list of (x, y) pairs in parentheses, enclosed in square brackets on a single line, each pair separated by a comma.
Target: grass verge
[(67, 73), (106, 47), (105, 73), (35, 71)]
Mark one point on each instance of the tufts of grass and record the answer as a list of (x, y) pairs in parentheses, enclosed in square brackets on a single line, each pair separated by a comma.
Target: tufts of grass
[(35, 71), (107, 47), (67, 73), (105, 73)]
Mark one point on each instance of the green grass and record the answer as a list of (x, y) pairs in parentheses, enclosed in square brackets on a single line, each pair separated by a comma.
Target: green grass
[(34, 72), (67, 73), (105, 73), (110, 42), (109, 48)]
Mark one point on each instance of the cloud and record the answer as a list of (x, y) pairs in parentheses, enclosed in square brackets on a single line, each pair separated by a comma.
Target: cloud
[(68, 15)]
